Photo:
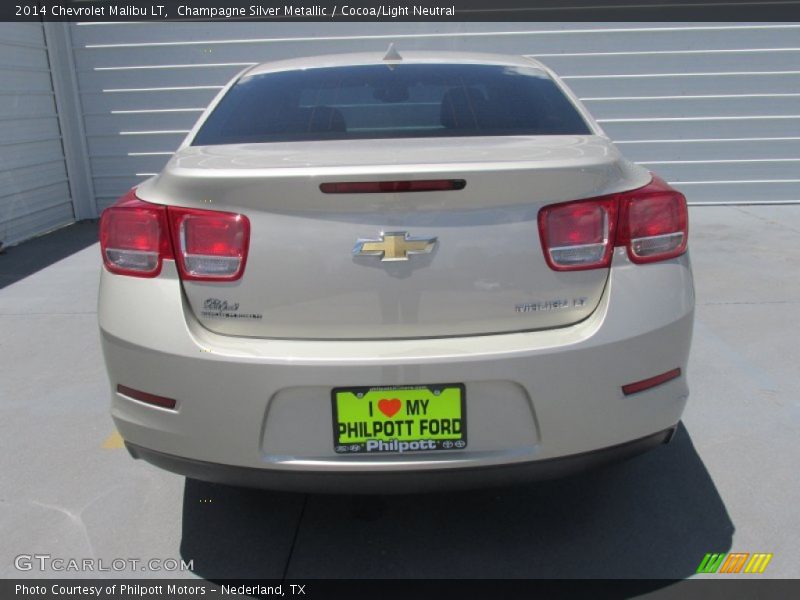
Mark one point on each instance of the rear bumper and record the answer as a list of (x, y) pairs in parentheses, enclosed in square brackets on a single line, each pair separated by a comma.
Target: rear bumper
[(264, 405), (398, 482)]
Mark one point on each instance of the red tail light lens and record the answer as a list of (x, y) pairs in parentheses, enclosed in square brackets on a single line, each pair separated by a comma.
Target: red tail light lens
[(211, 245), (377, 187), (652, 222), (134, 238), (578, 235)]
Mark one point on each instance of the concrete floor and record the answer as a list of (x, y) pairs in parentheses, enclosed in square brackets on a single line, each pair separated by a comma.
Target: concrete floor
[(729, 481)]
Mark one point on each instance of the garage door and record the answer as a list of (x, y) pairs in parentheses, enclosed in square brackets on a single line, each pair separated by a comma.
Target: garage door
[(715, 108), (34, 193)]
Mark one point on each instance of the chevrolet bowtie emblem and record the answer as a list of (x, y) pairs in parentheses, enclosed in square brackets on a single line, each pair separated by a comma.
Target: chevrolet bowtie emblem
[(394, 246)]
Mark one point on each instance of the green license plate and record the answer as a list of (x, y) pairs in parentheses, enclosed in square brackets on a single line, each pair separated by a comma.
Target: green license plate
[(374, 420)]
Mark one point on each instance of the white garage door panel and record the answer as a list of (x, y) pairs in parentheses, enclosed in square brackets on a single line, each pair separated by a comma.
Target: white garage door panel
[(722, 150), (762, 82), (147, 121), (29, 222), (28, 56), (42, 174), (170, 99), (734, 128), (697, 171), (14, 156), (32, 200), (34, 196), (107, 186), (15, 129), (673, 95), (223, 41), (680, 61), (26, 33), (27, 105), (125, 79), (741, 190), (123, 164), (111, 145), (697, 107), (22, 80)]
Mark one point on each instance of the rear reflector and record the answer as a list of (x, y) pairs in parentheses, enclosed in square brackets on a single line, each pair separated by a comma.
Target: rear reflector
[(146, 398), (646, 384), (378, 187), (210, 245)]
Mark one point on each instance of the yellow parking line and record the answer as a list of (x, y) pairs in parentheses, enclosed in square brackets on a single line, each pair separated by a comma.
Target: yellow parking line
[(114, 441)]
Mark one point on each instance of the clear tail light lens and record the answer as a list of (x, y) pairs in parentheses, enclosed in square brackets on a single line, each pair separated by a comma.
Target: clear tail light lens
[(134, 238), (652, 222), (211, 245), (578, 235)]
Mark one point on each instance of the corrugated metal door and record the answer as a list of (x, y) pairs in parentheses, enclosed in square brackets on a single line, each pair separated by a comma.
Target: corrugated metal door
[(34, 192), (715, 108)]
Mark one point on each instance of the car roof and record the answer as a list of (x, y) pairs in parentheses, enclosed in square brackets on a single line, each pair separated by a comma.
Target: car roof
[(407, 57)]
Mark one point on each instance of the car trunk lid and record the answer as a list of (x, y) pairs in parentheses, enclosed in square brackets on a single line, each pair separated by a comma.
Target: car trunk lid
[(319, 263)]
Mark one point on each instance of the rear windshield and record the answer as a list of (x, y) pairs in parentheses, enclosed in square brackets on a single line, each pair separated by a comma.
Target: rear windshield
[(398, 101)]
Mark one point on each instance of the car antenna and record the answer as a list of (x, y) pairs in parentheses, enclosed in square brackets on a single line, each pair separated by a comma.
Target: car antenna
[(392, 55)]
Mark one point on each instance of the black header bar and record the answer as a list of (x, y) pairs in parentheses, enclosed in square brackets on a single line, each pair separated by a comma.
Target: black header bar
[(401, 10)]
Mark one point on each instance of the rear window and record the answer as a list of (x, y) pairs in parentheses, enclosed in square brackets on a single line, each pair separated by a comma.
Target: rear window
[(397, 101)]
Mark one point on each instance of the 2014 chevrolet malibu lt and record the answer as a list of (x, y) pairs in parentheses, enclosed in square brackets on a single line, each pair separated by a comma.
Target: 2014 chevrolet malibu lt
[(395, 273)]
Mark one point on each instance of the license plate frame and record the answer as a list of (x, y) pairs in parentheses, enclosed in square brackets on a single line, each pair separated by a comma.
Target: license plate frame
[(403, 438)]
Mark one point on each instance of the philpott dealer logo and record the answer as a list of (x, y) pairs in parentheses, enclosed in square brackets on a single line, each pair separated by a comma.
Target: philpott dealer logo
[(734, 562)]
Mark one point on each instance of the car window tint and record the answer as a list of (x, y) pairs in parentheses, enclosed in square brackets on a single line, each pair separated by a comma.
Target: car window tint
[(398, 101)]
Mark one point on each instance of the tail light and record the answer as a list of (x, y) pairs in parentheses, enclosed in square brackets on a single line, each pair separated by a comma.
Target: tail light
[(137, 236), (211, 245), (134, 237), (578, 235), (651, 222), (654, 222)]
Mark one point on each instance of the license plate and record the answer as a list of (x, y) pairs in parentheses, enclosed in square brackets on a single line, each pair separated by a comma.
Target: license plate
[(397, 419)]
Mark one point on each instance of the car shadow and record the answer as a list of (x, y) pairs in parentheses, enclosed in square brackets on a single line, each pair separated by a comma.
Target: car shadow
[(18, 262), (652, 517)]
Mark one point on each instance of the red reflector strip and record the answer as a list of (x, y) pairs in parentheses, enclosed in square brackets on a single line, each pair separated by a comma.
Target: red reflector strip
[(645, 384), (377, 187), (147, 398)]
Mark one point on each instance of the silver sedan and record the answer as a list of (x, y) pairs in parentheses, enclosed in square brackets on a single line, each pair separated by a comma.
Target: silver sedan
[(395, 273)]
